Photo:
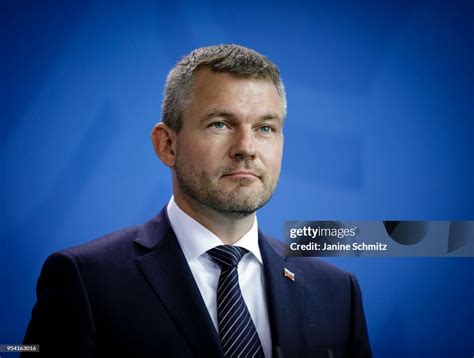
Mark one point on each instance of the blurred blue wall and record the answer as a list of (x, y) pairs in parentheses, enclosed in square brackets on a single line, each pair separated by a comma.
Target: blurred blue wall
[(380, 126)]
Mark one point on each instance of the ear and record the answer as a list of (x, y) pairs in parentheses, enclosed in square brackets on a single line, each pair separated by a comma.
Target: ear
[(164, 142)]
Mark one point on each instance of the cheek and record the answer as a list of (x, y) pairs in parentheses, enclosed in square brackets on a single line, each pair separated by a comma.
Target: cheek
[(277, 165), (204, 154), (193, 149), (272, 156), (210, 148)]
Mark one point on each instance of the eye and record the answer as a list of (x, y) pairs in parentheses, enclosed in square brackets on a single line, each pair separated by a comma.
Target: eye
[(217, 125), (266, 129)]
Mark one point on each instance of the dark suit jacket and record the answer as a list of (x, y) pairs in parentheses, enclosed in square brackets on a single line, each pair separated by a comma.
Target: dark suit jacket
[(131, 293)]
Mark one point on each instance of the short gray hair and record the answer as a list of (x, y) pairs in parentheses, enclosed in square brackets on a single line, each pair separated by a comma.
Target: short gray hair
[(237, 60)]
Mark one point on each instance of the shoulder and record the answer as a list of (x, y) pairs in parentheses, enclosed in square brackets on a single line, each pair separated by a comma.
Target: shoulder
[(128, 240), (115, 249), (109, 245), (93, 258)]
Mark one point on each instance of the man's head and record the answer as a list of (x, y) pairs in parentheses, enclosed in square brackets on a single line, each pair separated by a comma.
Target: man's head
[(222, 127), (237, 60)]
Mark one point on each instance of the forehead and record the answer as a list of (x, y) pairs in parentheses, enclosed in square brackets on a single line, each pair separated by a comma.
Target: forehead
[(225, 89)]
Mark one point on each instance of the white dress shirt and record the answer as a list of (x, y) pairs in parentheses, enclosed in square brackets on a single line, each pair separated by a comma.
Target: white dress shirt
[(195, 240)]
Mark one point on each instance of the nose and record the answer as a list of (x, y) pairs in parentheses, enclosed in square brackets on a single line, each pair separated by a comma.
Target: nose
[(243, 144)]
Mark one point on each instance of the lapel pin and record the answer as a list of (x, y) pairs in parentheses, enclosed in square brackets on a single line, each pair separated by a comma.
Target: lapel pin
[(288, 274)]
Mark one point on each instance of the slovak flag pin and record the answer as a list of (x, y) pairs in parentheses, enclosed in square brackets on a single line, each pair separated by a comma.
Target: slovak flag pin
[(288, 274)]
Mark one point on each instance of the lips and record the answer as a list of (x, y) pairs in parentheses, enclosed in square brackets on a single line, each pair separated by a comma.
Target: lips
[(241, 174)]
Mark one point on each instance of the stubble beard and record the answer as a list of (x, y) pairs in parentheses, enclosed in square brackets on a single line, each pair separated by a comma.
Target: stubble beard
[(235, 203)]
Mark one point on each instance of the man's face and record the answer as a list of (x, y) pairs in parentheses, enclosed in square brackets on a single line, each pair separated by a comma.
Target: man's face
[(229, 149)]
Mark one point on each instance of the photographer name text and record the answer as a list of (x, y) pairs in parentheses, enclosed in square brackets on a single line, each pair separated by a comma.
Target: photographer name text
[(355, 246)]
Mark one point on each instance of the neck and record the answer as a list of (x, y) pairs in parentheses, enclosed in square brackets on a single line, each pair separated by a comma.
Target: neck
[(228, 229)]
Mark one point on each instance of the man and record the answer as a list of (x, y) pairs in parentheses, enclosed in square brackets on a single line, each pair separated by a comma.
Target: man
[(199, 279)]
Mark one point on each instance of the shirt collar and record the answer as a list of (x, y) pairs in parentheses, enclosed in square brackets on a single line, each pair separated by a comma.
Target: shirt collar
[(195, 239)]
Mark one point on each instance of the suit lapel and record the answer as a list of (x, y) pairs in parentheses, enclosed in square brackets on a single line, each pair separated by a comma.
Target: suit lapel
[(168, 273), (285, 301)]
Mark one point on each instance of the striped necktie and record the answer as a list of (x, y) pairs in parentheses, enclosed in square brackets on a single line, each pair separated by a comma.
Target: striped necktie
[(237, 331)]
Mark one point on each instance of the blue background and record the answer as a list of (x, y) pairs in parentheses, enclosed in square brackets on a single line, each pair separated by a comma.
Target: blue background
[(380, 126)]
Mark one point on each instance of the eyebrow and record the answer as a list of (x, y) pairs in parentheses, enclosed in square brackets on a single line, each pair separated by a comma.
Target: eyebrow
[(222, 112)]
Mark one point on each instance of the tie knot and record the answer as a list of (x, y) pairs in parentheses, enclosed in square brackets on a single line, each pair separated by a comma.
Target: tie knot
[(227, 255)]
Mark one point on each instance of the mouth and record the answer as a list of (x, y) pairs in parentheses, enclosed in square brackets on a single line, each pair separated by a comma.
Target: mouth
[(241, 174)]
